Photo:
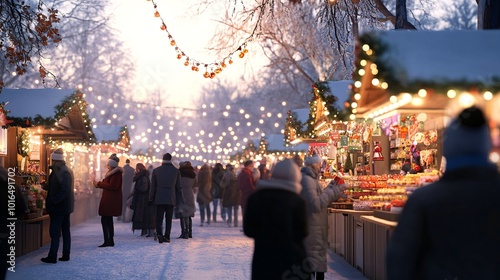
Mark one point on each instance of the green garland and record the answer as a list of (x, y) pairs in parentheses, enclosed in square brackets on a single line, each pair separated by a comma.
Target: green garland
[(320, 93), (389, 75), (61, 110)]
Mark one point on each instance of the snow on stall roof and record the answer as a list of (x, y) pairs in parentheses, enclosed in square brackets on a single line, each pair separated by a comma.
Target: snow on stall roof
[(33, 102), (470, 55), (107, 132), (276, 143)]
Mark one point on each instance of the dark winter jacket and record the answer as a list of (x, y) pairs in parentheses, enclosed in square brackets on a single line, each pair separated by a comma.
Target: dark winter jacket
[(144, 214), (204, 195), (188, 183), (111, 199), (127, 184), (60, 191), (217, 173), (277, 220), (449, 229), (166, 185), (232, 192)]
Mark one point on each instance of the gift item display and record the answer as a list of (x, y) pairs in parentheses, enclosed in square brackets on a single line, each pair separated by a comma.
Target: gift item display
[(385, 192)]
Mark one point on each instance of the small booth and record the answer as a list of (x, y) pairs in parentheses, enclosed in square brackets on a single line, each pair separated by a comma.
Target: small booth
[(406, 87), (39, 121)]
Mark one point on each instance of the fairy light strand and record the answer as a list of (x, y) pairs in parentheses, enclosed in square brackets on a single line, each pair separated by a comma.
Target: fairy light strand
[(211, 69)]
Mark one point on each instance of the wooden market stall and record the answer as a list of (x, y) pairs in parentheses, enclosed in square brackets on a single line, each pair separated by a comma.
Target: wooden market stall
[(407, 86), (41, 120)]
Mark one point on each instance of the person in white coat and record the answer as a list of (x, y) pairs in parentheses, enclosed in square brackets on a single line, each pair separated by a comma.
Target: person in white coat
[(317, 200)]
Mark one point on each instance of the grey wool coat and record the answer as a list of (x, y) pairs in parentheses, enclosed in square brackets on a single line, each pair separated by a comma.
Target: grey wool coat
[(317, 202), (188, 183), (166, 185)]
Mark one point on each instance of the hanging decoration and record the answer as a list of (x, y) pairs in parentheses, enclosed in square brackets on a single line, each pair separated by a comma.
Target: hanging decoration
[(3, 115), (377, 152), (210, 69), (23, 143)]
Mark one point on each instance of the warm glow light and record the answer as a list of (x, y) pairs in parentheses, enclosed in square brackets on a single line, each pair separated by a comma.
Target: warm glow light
[(451, 93), (488, 95), (422, 93), (393, 99), (357, 96), (466, 100)]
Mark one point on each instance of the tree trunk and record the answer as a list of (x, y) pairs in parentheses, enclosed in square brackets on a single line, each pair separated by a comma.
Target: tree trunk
[(401, 15), (488, 14)]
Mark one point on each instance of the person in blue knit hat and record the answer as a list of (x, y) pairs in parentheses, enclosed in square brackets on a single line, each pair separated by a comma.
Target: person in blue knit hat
[(450, 229)]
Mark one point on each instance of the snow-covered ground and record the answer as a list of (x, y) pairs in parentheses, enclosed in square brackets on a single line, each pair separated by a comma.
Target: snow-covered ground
[(214, 252)]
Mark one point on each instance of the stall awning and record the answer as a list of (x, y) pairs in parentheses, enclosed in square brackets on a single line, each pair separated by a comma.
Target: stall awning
[(398, 61), (60, 113)]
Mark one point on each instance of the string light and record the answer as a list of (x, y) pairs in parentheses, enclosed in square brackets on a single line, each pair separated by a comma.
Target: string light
[(211, 69)]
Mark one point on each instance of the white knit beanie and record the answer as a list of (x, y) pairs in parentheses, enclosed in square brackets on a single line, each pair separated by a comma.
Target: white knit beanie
[(312, 159), (113, 160), (58, 154)]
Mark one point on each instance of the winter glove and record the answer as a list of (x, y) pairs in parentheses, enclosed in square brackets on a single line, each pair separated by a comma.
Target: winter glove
[(336, 190)]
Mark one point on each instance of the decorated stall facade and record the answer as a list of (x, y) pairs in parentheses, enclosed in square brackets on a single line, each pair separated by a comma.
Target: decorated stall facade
[(36, 122), (406, 87)]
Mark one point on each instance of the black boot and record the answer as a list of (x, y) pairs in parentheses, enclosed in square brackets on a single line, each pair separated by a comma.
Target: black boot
[(185, 235), (183, 228), (160, 239), (64, 258), (111, 242), (190, 228), (49, 260), (105, 244), (150, 233)]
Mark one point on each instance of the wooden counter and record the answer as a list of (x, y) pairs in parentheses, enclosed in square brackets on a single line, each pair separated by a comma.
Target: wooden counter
[(344, 236), (381, 222)]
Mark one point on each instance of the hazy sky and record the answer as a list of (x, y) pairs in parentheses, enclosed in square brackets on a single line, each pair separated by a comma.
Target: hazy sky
[(156, 63)]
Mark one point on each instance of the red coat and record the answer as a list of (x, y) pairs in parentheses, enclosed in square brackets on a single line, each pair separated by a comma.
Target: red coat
[(111, 200), (247, 186)]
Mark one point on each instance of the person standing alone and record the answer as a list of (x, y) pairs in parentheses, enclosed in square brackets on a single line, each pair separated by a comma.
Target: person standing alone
[(60, 204), (165, 193), (111, 199)]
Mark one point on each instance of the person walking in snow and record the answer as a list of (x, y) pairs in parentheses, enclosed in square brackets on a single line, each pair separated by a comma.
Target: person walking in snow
[(187, 209), (276, 217), (217, 191), (165, 194), (204, 195), (317, 200), (111, 199), (232, 195)]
